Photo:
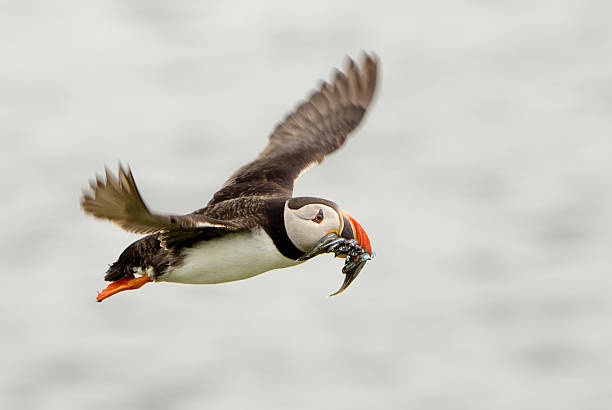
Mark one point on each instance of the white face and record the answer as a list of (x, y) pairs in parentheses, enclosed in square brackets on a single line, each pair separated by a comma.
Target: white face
[(307, 225)]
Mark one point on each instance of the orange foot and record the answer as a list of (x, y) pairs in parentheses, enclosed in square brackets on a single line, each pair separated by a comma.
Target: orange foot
[(120, 285)]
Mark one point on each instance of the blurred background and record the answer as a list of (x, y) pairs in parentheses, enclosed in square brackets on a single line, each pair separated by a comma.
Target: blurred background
[(482, 175)]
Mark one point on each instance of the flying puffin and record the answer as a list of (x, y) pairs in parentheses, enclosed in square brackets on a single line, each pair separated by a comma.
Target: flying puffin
[(252, 224)]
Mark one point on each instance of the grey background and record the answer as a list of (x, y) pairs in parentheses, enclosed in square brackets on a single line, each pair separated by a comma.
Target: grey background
[(482, 176)]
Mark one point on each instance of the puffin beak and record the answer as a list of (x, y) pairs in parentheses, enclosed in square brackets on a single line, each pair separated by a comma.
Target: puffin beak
[(353, 230), (343, 246)]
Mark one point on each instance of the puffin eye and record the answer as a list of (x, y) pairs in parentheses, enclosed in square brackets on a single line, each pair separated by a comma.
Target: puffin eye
[(319, 218)]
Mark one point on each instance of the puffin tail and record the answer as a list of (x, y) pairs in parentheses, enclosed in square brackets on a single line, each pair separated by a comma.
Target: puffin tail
[(134, 259)]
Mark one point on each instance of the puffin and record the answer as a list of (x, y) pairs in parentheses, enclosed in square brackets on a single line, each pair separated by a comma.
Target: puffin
[(253, 224)]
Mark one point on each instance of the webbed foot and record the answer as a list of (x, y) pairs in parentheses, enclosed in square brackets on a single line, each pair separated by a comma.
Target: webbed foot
[(120, 285)]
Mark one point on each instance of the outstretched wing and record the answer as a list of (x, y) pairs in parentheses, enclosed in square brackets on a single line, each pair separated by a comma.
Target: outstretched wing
[(316, 128), (118, 200)]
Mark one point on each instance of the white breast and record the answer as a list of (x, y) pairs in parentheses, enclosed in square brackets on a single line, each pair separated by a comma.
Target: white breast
[(233, 257)]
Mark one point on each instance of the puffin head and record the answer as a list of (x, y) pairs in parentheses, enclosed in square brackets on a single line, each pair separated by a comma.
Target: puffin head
[(309, 219)]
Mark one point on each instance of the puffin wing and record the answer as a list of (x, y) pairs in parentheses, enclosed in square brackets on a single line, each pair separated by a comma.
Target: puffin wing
[(315, 129), (117, 199)]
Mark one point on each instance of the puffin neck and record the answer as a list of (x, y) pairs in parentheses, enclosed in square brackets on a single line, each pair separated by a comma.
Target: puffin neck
[(275, 228)]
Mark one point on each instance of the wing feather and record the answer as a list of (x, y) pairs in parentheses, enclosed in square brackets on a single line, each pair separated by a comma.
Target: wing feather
[(118, 200), (316, 128)]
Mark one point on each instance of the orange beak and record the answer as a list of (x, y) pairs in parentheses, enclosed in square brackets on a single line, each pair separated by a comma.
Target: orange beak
[(358, 233)]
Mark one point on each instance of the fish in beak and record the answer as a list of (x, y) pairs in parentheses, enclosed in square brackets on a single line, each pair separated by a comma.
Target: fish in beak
[(352, 243), (353, 230), (355, 258)]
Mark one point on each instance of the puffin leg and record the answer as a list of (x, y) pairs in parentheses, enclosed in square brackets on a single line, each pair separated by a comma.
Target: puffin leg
[(120, 285)]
